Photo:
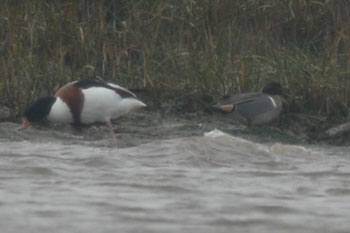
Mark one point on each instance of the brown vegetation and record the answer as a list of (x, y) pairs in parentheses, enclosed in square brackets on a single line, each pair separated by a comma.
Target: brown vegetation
[(190, 47)]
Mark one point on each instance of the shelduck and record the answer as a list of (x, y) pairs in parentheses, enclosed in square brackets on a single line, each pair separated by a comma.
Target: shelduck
[(82, 103)]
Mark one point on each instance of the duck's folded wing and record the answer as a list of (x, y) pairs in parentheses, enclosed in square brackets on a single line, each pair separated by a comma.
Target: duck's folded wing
[(229, 103), (123, 92), (238, 99), (85, 84)]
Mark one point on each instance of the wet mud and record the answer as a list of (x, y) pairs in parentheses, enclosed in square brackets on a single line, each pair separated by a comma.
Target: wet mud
[(149, 125)]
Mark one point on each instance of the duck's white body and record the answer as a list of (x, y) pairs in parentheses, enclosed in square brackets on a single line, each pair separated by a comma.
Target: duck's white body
[(60, 112), (101, 105), (85, 102)]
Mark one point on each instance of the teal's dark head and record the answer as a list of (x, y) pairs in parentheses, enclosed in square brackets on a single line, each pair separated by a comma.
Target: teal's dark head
[(274, 88)]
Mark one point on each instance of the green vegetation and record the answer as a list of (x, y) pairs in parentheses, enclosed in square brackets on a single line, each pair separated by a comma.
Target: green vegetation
[(194, 48)]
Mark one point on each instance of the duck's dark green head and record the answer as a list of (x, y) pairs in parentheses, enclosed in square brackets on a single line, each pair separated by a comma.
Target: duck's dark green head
[(38, 111), (273, 88)]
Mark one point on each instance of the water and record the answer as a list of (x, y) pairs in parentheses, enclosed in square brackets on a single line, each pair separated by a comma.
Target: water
[(55, 181)]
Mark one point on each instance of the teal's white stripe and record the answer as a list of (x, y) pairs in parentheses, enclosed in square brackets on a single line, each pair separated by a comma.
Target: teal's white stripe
[(273, 102)]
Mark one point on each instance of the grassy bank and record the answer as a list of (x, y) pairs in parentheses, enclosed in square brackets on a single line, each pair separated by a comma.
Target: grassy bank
[(193, 49)]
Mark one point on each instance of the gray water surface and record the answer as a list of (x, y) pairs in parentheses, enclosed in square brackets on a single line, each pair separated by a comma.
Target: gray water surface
[(214, 182)]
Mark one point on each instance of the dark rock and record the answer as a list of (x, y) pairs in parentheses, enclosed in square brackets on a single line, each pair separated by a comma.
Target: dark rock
[(4, 113), (339, 130)]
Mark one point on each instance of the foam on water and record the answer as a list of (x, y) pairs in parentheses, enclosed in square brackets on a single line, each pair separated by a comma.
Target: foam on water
[(211, 183)]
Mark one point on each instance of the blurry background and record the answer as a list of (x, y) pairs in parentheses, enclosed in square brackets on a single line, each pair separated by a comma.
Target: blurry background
[(191, 49)]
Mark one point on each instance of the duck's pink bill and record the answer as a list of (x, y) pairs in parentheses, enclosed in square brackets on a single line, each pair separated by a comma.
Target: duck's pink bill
[(25, 124)]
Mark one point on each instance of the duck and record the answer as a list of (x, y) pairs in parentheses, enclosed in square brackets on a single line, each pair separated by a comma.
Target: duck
[(82, 103), (255, 108)]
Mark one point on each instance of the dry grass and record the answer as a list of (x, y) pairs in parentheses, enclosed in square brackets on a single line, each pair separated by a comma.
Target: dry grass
[(191, 47)]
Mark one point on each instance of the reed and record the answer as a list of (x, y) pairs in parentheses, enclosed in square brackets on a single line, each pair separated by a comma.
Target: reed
[(190, 48)]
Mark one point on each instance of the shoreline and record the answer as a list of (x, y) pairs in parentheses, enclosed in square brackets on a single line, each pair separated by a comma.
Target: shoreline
[(159, 122)]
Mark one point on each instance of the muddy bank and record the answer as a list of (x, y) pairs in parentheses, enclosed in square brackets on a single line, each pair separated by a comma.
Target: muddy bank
[(153, 124), (169, 116), (290, 127)]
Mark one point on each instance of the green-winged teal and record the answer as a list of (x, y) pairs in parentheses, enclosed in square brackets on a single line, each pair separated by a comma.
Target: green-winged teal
[(254, 108)]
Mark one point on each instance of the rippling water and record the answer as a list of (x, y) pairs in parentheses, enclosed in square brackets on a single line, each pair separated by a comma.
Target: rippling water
[(209, 183)]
